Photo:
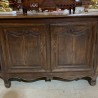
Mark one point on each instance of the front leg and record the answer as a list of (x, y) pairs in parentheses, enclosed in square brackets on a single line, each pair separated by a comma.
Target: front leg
[(49, 78), (93, 82), (7, 83)]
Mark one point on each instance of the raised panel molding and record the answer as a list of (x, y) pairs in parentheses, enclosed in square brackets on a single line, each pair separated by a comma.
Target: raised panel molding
[(26, 47), (54, 47), (71, 46)]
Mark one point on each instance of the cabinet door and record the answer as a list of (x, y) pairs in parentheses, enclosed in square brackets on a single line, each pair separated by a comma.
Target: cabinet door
[(72, 46), (24, 47)]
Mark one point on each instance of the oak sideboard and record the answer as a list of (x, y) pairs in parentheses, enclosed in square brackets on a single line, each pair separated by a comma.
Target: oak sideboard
[(49, 47)]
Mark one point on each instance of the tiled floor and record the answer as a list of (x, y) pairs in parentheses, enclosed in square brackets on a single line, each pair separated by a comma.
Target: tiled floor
[(53, 89)]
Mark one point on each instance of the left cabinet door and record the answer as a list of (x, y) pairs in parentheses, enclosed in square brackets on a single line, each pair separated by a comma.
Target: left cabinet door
[(24, 47)]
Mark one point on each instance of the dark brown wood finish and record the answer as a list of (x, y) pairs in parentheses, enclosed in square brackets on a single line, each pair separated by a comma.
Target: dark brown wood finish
[(72, 46), (25, 47), (33, 47)]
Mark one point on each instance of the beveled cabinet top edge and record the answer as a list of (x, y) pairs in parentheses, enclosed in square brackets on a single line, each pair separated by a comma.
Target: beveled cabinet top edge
[(46, 16)]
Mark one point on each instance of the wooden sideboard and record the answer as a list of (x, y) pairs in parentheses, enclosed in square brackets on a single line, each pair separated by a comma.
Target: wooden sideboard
[(34, 47)]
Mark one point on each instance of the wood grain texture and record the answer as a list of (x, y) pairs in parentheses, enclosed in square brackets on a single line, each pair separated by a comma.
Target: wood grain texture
[(25, 47), (72, 45), (62, 47)]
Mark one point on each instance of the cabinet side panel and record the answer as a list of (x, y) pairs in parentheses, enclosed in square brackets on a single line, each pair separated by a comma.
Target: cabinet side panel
[(72, 46)]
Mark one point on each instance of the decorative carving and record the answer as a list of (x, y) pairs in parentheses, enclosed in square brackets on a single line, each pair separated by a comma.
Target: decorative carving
[(58, 54), (67, 42), (14, 33), (75, 30), (31, 33), (26, 47), (7, 83), (22, 32)]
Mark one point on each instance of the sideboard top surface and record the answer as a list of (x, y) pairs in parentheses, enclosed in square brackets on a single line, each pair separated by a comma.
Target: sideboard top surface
[(47, 16)]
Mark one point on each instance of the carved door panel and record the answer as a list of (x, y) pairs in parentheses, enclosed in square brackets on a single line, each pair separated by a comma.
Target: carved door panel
[(72, 46), (25, 48)]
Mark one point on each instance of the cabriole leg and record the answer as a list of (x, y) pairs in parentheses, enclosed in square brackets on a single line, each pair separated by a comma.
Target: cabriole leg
[(7, 83), (93, 82)]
